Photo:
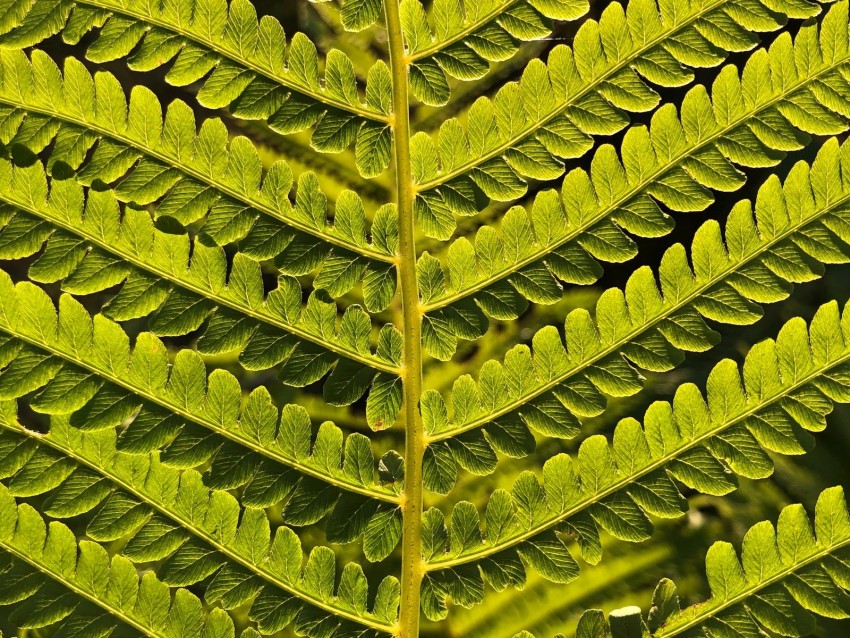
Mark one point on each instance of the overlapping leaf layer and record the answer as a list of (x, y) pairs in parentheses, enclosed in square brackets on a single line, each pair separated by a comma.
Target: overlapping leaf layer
[(786, 577), (784, 389)]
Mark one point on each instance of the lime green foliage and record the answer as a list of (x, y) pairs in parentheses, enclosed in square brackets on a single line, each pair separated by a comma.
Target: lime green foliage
[(785, 577), (762, 251), (784, 389), (321, 367), (751, 120)]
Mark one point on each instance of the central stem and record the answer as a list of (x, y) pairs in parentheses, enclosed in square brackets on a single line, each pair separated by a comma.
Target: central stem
[(412, 567)]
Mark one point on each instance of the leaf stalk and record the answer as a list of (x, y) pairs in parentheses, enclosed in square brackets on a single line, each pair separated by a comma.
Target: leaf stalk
[(412, 567)]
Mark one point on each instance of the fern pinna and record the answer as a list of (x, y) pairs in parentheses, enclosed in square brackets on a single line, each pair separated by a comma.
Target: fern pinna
[(320, 366)]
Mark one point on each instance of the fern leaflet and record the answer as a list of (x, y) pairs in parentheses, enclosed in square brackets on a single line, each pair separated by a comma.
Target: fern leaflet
[(551, 114), (795, 228), (784, 578), (191, 528), (674, 162), (244, 63), (788, 388)]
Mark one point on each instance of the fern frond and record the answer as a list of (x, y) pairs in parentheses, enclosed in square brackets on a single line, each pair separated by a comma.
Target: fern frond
[(464, 37), (128, 225), (192, 176), (785, 578), (788, 389), (564, 236), (84, 368), (550, 115), (795, 229), (76, 588), (194, 532), (182, 282), (245, 64)]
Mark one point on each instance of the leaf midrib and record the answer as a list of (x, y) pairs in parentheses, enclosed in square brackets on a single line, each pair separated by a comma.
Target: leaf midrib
[(175, 163), (235, 57), (412, 497), (198, 532), (632, 192), (637, 475), (144, 394), (591, 86), (269, 319)]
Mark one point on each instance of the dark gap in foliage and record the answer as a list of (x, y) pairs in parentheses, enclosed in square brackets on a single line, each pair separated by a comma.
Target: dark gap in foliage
[(32, 420)]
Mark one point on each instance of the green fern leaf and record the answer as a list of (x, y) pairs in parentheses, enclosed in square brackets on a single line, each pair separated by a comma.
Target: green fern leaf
[(245, 63), (466, 36), (183, 408), (787, 391), (674, 162), (530, 127), (198, 532), (78, 588), (248, 381), (167, 161), (152, 265), (795, 229), (784, 578)]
